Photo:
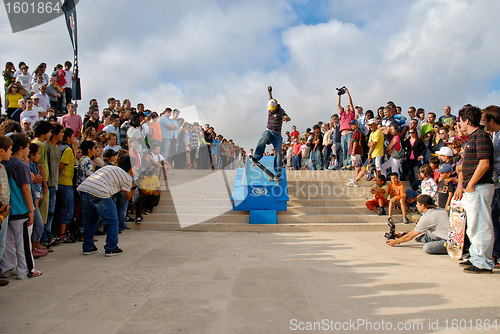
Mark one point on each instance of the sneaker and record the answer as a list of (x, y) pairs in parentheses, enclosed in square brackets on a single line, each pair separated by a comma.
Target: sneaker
[(147, 212), (475, 270), (8, 273), (55, 242), (381, 212), (350, 183), (113, 252), (420, 237), (94, 250), (3, 282), (355, 184), (68, 240), (33, 274), (138, 219), (389, 220), (406, 220), (465, 264), (129, 220), (37, 253)]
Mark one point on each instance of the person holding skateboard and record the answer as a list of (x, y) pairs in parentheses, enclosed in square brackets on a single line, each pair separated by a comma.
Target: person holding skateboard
[(475, 184), (275, 118)]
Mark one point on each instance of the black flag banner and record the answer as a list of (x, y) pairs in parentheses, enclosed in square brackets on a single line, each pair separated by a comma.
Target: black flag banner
[(69, 9)]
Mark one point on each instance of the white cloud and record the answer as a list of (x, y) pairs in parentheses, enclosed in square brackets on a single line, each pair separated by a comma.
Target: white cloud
[(221, 55)]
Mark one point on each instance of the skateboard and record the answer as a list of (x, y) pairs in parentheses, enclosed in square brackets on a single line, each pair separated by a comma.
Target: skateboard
[(456, 230), (256, 162), (370, 171)]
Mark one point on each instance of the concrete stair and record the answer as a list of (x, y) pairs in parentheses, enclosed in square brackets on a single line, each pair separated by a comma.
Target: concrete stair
[(319, 201)]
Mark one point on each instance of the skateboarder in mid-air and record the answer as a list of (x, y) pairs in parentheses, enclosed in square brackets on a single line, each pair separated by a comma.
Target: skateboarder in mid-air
[(272, 135)]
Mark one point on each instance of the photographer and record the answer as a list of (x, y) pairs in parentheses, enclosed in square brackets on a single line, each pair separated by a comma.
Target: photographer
[(434, 223), (346, 116)]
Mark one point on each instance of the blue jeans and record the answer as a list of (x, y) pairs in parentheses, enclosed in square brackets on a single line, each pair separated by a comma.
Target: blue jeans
[(47, 231), (319, 160), (165, 148), (479, 226), (345, 141), (37, 226), (410, 193), (121, 208), (91, 209), (296, 162), (65, 204), (3, 235), (312, 160), (495, 217), (269, 137), (327, 152)]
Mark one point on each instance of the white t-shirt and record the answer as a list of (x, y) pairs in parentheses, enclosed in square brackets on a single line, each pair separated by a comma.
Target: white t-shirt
[(31, 115), (145, 129), (157, 157), (25, 80), (68, 78), (35, 87), (38, 108)]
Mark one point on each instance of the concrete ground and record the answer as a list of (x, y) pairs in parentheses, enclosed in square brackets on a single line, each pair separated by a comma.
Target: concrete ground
[(217, 282)]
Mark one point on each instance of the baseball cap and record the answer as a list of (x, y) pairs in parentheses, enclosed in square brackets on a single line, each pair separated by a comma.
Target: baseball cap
[(25, 119), (354, 122), (23, 66), (109, 153), (446, 169), (271, 105), (426, 200), (372, 121), (446, 151), (147, 114)]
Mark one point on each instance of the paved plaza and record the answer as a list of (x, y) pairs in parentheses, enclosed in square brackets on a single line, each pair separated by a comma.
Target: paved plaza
[(229, 282)]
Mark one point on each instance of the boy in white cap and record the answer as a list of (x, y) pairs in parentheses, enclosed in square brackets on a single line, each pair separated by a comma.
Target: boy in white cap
[(445, 154), (272, 135)]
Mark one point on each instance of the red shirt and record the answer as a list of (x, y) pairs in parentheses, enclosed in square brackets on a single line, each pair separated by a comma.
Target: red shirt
[(356, 138), (295, 134), (345, 119)]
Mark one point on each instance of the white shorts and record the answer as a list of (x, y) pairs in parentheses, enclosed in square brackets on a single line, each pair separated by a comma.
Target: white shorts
[(356, 160), (378, 162)]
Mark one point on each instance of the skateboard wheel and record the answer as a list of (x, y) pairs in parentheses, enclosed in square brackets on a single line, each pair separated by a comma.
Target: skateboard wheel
[(445, 244)]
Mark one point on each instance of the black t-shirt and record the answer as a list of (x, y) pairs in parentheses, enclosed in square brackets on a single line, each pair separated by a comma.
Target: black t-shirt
[(320, 145), (443, 192), (90, 123)]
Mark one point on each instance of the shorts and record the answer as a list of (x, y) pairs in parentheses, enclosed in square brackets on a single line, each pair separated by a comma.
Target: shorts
[(378, 162), (356, 160)]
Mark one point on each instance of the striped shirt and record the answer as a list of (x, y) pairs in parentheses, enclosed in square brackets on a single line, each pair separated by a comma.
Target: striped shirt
[(106, 182), (275, 120), (479, 146)]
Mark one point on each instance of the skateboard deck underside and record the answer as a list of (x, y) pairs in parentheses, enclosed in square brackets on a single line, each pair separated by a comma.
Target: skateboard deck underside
[(456, 230)]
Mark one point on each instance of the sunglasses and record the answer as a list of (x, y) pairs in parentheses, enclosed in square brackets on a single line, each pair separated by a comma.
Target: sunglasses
[(14, 87)]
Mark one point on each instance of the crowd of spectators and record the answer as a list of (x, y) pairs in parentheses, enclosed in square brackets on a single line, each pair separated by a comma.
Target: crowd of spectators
[(443, 159), (65, 178)]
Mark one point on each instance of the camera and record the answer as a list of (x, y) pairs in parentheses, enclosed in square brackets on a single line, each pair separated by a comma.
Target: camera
[(341, 90), (392, 232)]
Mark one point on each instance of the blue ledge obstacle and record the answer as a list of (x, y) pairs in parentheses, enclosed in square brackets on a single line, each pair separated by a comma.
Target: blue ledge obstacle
[(254, 192)]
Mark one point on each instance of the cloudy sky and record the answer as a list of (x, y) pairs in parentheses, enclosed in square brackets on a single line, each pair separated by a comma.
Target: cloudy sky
[(220, 56)]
